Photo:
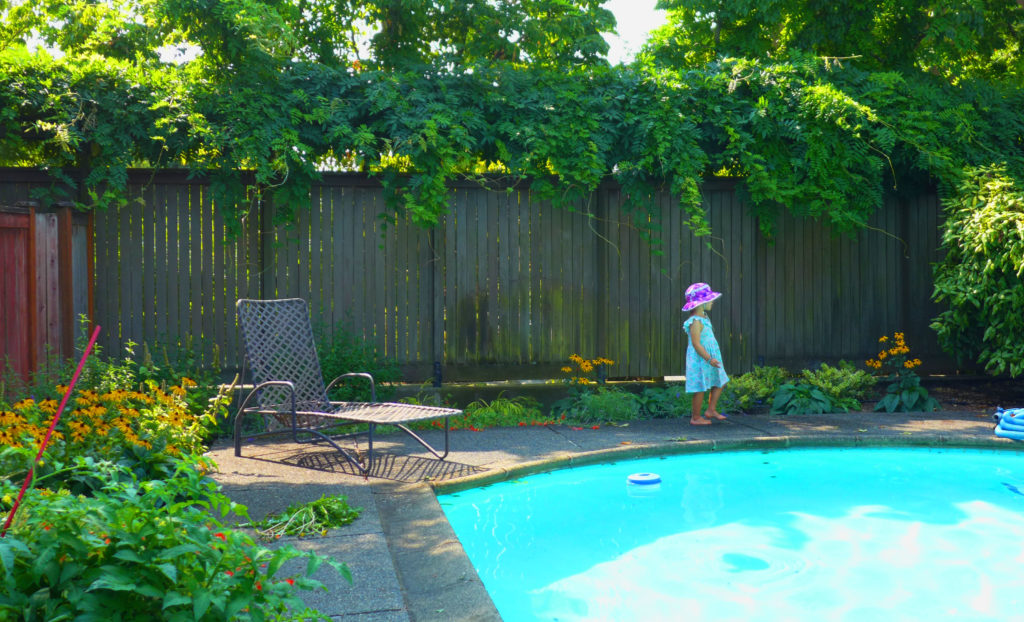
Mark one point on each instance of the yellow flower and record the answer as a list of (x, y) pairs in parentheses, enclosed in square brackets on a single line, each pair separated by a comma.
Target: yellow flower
[(883, 339), (48, 406), (576, 358), (586, 367), (79, 431), (176, 390), (24, 404), (188, 383), (8, 438), (882, 355), (10, 418), (567, 369)]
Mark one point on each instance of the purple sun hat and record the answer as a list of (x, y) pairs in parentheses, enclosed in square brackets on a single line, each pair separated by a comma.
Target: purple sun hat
[(697, 294)]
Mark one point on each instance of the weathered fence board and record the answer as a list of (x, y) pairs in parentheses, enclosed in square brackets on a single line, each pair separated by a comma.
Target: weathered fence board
[(505, 285)]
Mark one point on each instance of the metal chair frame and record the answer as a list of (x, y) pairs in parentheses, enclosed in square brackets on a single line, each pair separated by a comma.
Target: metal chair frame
[(288, 384)]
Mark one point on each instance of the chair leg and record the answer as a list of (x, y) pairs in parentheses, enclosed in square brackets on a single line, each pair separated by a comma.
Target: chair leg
[(238, 433), (369, 448)]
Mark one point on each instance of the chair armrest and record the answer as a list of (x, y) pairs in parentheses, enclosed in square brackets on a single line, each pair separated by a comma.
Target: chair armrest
[(373, 386), (270, 383)]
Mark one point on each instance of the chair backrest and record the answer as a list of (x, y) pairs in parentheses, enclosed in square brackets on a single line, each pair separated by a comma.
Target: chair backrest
[(279, 345)]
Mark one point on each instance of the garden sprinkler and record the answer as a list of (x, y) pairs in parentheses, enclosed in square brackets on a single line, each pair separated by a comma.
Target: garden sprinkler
[(53, 425)]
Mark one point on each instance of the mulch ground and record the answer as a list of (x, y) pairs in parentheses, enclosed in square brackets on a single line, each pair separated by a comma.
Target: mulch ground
[(981, 395)]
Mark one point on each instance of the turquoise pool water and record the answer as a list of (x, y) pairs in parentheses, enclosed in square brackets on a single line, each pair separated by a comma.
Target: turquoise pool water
[(822, 534)]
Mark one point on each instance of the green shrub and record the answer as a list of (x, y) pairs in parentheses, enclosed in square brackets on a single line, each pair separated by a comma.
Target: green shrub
[(142, 551), (341, 352), (670, 401), (605, 405), (845, 386), (753, 391), (501, 412), (981, 276), (800, 398)]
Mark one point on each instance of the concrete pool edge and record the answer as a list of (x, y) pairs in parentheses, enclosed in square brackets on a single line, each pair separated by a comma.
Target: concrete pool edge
[(503, 474)]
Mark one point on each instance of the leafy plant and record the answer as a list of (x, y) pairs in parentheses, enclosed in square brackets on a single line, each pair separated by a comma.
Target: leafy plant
[(149, 550), (302, 519), (342, 352), (753, 390), (981, 276), (904, 393), (800, 398), (670, 401), (502, 412), (845, 386), (605, 405)]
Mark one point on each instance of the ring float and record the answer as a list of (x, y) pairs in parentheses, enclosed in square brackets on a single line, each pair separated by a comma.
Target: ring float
[(644, 479)]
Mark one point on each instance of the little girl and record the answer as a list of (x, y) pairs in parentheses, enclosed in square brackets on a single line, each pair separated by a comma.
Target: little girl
[(703, 356)]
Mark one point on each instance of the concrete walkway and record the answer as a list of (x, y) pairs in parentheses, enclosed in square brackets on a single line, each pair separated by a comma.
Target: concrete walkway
[(405, 560)]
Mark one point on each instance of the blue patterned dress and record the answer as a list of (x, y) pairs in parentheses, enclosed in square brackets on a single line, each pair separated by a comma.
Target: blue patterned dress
[(700, 375)]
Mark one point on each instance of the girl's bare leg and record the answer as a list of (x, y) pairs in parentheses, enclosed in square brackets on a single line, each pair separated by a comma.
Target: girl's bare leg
[(697, 404), (712, 411)]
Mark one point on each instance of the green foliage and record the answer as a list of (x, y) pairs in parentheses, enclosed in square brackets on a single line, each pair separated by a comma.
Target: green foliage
[(303, 519), (954, 37), (818, 108), (800, 398), (904, 393), (151, 550), (341, 351), (603, 405), (668, 402), (501, 412), (981, 276), (752, 391), (845, 386)]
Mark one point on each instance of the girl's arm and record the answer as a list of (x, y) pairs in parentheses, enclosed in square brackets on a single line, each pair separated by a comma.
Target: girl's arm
[(695, 330)]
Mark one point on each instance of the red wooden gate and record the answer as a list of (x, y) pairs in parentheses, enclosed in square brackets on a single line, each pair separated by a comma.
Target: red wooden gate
[(17, 291), (41, 253)]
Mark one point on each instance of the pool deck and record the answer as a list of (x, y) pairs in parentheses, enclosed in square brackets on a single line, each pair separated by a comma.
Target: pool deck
[(407, 564)]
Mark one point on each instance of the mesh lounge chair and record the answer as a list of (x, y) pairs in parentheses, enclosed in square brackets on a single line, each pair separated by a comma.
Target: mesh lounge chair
[(288, 386)]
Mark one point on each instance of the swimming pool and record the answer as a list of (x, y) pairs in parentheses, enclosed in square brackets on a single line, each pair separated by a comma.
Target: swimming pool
[(824, 534)]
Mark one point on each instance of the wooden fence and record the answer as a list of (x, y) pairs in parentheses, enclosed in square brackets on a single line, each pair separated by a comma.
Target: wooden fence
[(509, 287), (45, 282)]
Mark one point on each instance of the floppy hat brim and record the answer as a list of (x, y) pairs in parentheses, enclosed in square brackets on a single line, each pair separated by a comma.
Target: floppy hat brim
[(696, 303)]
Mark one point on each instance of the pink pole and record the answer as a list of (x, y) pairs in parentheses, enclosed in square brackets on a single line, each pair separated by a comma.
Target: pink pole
[(53, 425)]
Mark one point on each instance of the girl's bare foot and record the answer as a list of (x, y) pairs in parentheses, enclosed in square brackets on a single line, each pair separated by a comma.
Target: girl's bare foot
[(699, 421), (713, 414)]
